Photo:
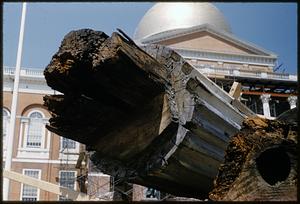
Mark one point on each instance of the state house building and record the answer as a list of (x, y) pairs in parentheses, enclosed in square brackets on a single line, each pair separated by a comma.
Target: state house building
[(198, 32)]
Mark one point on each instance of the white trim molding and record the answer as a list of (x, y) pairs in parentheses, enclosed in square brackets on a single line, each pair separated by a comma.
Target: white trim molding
[(31, 81), (35, 91), (33, 153), (226, 57), (40, 161), (6, 121)]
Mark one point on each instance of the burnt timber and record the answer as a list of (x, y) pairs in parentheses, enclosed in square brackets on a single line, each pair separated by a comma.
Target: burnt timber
[(146, 115), (260, 162)]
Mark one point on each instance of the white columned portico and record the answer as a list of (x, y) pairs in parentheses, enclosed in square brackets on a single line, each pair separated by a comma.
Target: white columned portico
[(292, 101), (265, 98)]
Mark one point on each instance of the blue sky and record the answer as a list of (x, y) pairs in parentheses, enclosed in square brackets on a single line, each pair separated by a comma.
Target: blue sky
[(272, 26)]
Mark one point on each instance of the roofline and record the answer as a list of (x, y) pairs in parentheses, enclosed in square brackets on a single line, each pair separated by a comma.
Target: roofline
[(166, 35)]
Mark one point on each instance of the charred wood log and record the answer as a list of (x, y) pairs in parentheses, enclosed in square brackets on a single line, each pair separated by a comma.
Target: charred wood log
[(107, 93), (148, 116), (260, 164)]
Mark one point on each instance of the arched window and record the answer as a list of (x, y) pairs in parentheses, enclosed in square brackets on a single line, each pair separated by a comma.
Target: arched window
[(35, 130), (5, 125)]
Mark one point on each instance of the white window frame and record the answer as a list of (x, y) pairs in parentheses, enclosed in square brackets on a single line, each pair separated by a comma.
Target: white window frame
[(7, 130), (22, 185), (32, 152), (75, 182), (27, 131), (70, 154)]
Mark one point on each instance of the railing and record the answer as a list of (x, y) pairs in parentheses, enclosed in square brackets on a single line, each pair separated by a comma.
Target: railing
[(222, 71), (8, 70), (34, 72), (250, 74), (24, 72), (207, 69), (278, 76)]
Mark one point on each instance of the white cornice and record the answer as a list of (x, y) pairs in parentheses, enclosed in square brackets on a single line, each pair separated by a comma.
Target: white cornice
[(24, 79), (34, 91), (226, 57), (42, 161), (210, 29), (31, 81)]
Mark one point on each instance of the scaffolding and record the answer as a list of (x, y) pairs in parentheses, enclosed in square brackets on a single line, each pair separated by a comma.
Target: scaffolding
[(65, 155), (99, 186)]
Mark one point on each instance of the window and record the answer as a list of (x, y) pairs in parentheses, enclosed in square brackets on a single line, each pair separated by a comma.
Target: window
[(67, 144), (67, 179), (30, 193), (5, 125), (69, 149), (35, 130)]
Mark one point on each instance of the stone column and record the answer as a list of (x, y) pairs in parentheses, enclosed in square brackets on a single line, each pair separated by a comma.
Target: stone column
[(265, 98), (292, 101)]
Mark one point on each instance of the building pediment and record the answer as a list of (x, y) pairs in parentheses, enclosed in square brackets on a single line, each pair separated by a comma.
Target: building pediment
[(206, 38)]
